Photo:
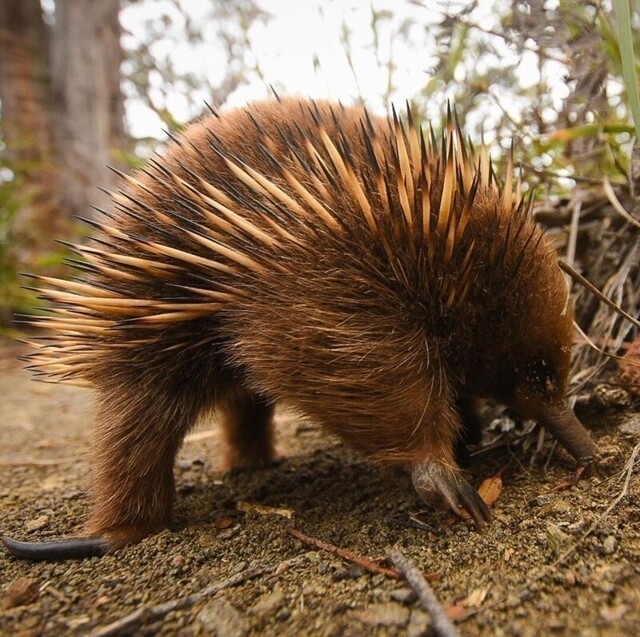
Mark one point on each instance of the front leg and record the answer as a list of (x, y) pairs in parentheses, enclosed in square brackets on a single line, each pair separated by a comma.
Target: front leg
[(437, 477), (438, 484)]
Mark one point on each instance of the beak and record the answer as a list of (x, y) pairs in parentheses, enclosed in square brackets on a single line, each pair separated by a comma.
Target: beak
[(569, 431)]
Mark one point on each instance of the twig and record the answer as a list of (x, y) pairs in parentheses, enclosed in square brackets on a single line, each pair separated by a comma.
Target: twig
[(576, 276), (54, 592), (615, 202), (152, 613), (365, 563), (442, 625), (551, 567)]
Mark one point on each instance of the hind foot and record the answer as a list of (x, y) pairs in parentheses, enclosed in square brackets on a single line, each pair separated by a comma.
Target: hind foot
[(444, 487)]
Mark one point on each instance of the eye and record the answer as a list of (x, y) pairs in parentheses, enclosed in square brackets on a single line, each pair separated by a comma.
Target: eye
[(540, 375)]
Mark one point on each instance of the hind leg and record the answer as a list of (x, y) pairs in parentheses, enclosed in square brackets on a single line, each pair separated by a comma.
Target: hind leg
[(140, 427), (246, 420)]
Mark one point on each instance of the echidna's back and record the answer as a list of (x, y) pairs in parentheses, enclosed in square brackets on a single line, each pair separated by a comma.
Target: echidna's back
[(329, 255)]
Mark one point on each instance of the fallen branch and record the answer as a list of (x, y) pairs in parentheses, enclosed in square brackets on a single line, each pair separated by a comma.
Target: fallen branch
[(364, 562), (153, 613), (442, 625)]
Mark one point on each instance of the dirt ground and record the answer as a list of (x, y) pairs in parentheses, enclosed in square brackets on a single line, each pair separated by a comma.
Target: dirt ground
[(226, 524)]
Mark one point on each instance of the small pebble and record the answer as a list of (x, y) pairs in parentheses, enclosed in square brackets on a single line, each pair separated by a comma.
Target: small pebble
[(608, 397), (609, 545), (21, 592), (268, 603), (386, 614), (218, 617), (353, 572), (419, 623), (556, 538), (403, 595), (38, 523)]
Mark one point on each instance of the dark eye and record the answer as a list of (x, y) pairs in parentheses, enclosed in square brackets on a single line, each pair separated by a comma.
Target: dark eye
[(541, 376)]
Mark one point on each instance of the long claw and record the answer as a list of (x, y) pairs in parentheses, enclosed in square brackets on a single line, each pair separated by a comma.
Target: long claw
[(431, 479), (73, 548)]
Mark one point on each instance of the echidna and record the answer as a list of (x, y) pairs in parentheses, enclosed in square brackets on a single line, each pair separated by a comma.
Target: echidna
[(377, 280)]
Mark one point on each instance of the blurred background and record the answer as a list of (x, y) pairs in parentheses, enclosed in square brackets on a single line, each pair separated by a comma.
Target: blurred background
[(90, 83)]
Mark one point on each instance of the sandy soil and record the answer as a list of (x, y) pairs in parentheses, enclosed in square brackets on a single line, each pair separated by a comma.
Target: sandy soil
[(332, 495)]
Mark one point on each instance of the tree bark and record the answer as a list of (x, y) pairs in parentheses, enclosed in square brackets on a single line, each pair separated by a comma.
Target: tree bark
[(27, 122), (87, 101), (62, 122)]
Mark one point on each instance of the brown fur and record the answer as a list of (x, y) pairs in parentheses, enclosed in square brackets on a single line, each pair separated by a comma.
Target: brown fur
[(307, 253)]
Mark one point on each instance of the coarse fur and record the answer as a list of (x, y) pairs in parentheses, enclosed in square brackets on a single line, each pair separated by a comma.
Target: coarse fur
[(376, 279)]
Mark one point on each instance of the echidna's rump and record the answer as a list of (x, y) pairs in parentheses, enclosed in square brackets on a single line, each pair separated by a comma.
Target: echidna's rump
[(376, 279)]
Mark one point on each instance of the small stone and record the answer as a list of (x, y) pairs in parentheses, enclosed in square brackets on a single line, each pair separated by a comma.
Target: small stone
[(353, 572), (377, 580), (224, 523), (179, 561), (387, 614), (613, 613), (631, 428), (403, 595), (38, 523), (570, 578), (76, 622), (21, 592), (543, 499), (608, 397), (512, 601), (419, 623), (557, 624), (609, 545), (268, 603), (557, 539), (218, 617)]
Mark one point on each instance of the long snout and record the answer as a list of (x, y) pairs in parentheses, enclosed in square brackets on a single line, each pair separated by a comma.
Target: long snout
[(569, 431)]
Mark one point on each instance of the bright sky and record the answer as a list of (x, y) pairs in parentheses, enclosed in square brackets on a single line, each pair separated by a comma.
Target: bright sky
[(303, 31)]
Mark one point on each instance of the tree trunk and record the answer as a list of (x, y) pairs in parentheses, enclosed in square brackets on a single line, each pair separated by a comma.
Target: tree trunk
[(27, 122), (62, 121), (87, 101)]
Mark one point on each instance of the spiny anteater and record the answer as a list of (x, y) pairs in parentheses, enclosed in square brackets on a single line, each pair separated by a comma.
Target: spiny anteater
[(298, 251)]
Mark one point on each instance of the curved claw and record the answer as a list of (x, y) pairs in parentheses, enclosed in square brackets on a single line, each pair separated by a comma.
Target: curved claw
[(73, 548), (431, 479)]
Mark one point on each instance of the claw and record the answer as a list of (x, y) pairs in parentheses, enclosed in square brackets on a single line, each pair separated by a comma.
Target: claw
[(433, 482), (73, 548)]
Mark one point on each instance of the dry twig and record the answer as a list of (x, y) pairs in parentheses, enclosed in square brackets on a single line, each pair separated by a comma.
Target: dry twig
[(154, 613), (442, 625), (364, 562)]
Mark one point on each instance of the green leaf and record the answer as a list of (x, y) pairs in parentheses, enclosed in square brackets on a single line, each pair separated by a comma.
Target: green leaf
[(625, 37)]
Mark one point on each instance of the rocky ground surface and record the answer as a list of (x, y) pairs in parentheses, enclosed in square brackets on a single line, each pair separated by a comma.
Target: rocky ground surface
[(515, 578)]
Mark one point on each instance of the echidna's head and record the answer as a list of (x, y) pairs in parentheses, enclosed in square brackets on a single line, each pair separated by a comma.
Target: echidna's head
[(528, 362)]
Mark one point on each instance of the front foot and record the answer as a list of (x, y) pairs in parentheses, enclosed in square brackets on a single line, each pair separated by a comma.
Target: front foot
[(438, 485)]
